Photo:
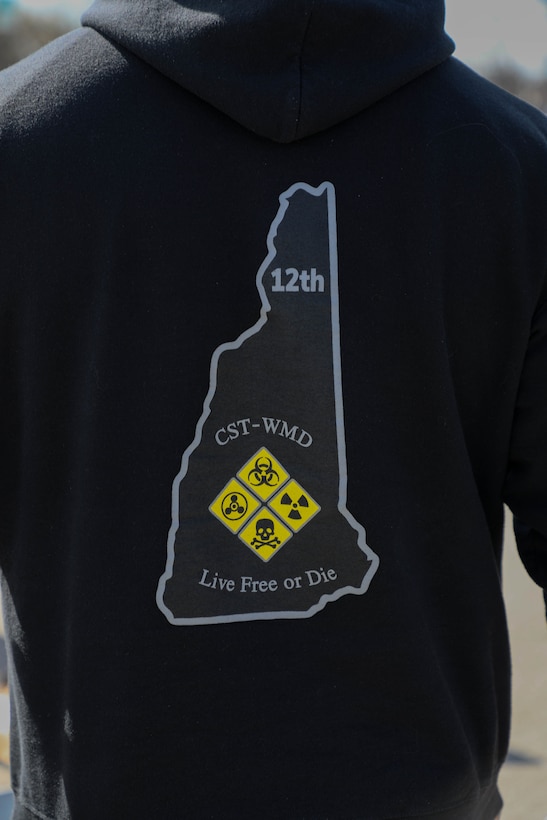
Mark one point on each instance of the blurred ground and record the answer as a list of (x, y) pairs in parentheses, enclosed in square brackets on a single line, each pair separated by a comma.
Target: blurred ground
[(524, 777)]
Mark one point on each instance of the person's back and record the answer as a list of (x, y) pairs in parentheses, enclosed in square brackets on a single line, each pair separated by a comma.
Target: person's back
[(273, 357)]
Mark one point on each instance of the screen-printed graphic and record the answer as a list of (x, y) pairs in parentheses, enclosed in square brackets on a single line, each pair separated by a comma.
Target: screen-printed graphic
[(260, 528), (263, 475)]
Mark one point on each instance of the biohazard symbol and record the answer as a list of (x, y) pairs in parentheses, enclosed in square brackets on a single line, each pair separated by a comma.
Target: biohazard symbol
[(265, 534), (263, 474), (294, 505), (234, 505)]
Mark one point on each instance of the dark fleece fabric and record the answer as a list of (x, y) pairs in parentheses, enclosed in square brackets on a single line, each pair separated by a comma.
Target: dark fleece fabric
[(142, 160)]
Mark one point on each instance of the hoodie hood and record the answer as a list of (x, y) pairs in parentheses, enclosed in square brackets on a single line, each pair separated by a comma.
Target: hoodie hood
[(285, 69)]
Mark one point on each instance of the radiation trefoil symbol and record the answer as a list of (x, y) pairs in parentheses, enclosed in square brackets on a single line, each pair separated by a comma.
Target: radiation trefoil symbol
[(263, 506)]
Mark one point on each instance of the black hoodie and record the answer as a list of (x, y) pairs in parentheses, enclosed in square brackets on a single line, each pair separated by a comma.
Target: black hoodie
[(273, 350)]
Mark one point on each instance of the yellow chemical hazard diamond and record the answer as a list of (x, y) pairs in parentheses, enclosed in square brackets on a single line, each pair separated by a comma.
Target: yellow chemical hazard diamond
[(263, 474), (234, 505), (265, 534), (294, 505)]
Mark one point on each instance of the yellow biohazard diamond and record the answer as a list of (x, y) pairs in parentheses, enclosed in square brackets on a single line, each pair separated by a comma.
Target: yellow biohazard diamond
[(234, 505), (263, 474), (294, 505), (265, 534)]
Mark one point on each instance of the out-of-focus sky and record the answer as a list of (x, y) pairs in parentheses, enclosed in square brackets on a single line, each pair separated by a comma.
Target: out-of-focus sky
[(498, 30), (484, 30)]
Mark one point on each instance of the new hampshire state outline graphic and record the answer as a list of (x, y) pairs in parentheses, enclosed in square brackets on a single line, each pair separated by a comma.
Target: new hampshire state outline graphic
[(260, 529)]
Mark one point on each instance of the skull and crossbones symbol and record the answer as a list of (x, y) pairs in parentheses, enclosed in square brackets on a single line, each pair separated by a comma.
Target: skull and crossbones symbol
[(265, 534)]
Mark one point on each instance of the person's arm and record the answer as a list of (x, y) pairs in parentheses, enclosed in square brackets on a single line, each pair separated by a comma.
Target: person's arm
[(526, 484)]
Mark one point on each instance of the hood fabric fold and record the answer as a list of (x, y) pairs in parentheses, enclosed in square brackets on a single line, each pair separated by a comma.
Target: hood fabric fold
[(285, 69)]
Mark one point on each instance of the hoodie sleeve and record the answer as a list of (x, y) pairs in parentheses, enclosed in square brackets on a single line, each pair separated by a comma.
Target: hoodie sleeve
[(526, 483)]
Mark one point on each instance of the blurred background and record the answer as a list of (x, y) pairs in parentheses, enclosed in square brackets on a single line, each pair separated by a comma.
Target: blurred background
[(505, 40)]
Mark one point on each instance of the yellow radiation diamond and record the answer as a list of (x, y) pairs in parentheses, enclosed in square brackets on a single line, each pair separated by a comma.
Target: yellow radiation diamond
[(294, 505), (234, 505), (263, 474), (265, 534)]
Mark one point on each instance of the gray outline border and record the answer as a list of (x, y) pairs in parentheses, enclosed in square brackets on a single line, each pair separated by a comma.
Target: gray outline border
[(340, 432)]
